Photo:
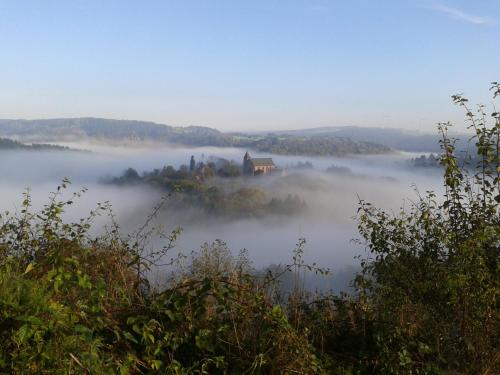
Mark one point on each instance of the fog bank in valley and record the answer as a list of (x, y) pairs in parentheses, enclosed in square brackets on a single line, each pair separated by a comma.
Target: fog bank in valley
[(327, 223)]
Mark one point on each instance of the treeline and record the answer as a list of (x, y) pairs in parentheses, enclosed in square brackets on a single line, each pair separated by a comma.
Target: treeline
[(124, 130), (465, 158), (424, 161), (196, 187), (313, 146), (112, 130), (8, 144)]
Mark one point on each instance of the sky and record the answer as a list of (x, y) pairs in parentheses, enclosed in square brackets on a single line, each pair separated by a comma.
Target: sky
[(248, 65)]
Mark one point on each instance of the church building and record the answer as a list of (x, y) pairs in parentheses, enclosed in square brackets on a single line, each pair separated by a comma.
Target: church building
[(257, 166)]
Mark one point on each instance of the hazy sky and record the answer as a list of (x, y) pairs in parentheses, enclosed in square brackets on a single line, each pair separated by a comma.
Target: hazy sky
[(242, 65)]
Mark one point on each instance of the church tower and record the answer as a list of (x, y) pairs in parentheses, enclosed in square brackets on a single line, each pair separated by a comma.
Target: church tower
[(247, 166)]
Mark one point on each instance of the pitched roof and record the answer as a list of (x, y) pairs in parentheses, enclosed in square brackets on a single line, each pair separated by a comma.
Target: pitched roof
[(260, 162)]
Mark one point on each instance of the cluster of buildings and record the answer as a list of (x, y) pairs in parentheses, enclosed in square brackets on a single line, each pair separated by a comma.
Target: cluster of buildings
[(224, 168)]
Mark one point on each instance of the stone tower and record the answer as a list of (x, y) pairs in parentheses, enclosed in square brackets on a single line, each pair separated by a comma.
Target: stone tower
[(247, 165)]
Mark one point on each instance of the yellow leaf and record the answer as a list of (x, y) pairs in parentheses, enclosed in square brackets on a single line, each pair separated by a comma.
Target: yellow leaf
[(29, 268)]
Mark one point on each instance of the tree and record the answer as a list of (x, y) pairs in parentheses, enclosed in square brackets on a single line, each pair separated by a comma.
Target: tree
[(192, 164), (433, 283)]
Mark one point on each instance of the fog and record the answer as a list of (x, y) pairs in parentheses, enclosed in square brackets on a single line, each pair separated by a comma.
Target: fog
[(327, 224)]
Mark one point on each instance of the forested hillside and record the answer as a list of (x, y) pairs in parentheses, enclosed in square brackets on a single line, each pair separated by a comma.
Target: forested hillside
[(111, 130), (308, 145), (136, 131), (394, 138)]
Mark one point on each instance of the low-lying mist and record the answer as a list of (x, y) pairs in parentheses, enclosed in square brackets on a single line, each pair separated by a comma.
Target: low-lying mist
[(327, 222)]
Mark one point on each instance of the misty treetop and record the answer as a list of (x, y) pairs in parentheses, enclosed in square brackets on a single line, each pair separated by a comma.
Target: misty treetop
[(199, 186), (9, 144), (425, 161)]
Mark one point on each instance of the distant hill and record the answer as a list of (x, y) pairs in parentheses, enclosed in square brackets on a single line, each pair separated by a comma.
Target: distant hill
[(293, 143), (285, 144), (394, 138), (76, 129)]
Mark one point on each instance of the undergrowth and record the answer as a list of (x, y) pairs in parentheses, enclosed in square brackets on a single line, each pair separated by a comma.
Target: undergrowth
[(425, 301)]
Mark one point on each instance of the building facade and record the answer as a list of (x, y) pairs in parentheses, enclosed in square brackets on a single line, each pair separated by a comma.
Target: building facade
[(257, 166)]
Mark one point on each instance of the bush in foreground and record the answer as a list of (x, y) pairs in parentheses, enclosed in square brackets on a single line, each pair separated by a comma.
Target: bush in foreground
[(425, 303)]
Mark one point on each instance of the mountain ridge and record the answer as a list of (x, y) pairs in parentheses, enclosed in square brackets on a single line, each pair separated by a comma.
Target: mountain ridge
[(396, 138), (332, 140)]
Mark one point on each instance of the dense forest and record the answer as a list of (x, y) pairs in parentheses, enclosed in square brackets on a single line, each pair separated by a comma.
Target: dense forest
[(75, 129), (425, 301), (311, 145), (138, 131), (8, 144), (399, 139)]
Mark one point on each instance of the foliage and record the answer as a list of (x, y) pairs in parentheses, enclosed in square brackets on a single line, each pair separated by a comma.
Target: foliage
[(425, 302), (140, 131), (8, 144), (309, 145), (115, 130), (72, 303), (198, 189), (338, 169), (434, 281), (423, 161)]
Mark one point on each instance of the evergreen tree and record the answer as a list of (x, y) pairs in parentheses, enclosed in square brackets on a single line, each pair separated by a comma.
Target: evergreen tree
[(192, 164)]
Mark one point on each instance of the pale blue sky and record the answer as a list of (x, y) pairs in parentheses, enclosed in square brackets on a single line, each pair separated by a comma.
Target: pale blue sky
[(248, 65)]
